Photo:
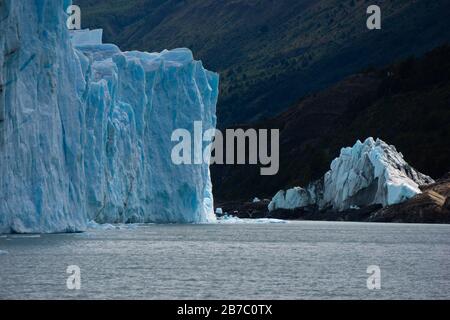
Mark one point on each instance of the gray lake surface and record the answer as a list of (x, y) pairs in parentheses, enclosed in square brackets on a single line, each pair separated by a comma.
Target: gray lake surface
[(295, 260)]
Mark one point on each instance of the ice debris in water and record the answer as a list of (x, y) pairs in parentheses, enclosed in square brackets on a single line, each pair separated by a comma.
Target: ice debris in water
[(235, 220)]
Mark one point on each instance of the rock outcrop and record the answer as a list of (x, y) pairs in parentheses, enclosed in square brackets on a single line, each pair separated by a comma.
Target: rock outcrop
[(431, 206)]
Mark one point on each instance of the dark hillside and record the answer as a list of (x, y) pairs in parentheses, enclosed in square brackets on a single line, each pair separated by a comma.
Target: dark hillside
[(406, 104), (270, 53)]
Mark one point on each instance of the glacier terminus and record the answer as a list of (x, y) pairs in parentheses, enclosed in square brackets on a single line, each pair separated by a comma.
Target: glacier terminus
[(85, 128)]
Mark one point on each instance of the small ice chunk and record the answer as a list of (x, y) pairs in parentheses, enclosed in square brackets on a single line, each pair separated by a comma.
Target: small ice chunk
[(86, 37)]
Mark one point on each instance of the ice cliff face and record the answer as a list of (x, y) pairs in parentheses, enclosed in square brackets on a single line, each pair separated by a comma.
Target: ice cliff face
[(85, 129), (368, 173)]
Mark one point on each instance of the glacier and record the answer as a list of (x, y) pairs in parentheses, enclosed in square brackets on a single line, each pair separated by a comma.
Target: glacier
[(85, 129), (370, 172)]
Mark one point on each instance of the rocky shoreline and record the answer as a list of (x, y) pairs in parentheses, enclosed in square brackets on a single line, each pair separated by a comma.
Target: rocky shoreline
[(431, 206)]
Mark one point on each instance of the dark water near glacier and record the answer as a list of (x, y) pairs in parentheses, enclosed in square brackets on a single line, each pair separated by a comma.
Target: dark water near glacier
[(297, 260)]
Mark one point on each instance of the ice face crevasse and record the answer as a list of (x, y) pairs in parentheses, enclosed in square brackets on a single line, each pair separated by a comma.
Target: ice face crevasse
[(85, 129), (368, 173)]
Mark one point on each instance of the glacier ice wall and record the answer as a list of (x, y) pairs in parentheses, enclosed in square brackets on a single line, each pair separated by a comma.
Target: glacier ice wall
[(85, 128), (370, 172)]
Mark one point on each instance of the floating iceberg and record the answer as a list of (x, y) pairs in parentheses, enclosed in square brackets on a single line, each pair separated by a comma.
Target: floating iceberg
[(85, 129), (368, 173)]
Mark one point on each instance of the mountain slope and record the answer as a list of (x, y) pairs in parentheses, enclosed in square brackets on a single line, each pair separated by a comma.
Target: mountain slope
[(407, 104), (271, 53)]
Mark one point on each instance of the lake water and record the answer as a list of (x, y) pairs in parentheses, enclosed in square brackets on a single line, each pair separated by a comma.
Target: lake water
[(296, 260)]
